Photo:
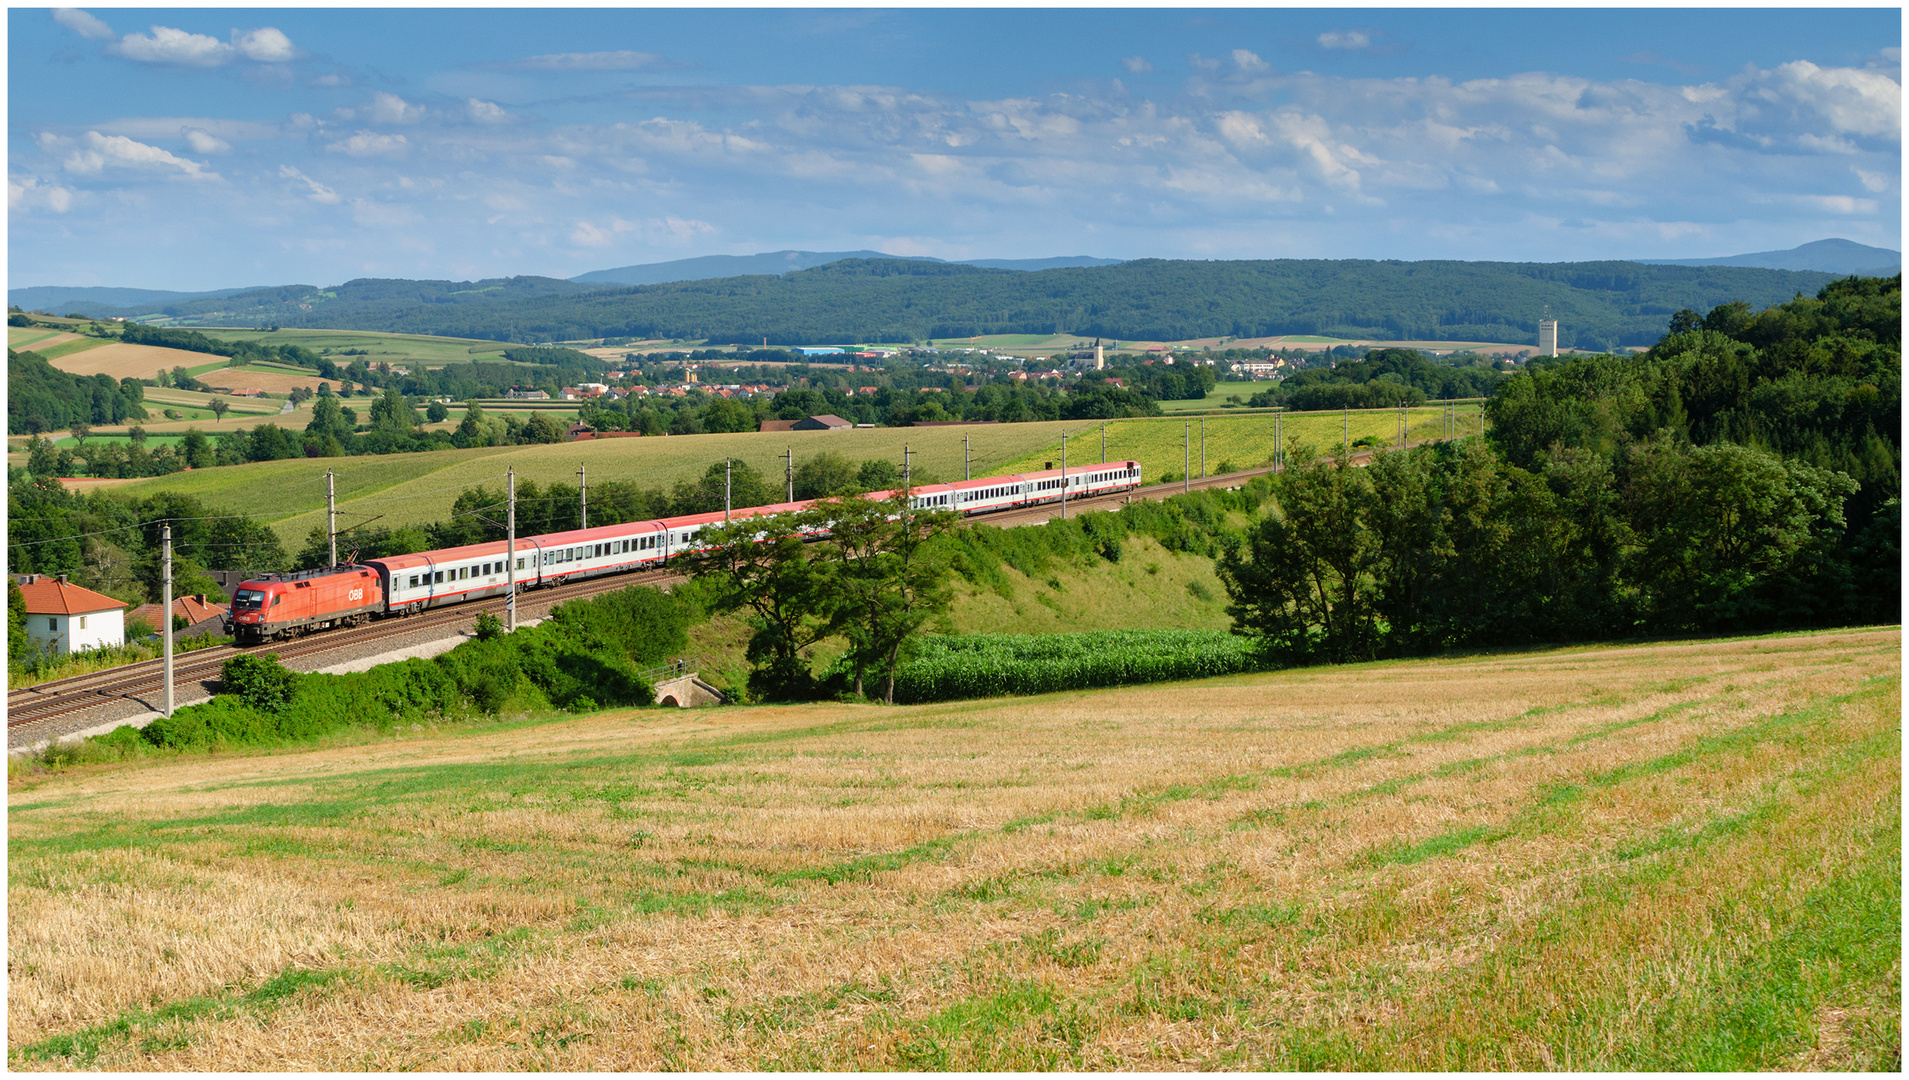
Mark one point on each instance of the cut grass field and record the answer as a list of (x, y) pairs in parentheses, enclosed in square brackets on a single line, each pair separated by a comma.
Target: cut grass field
[(1671, 856)]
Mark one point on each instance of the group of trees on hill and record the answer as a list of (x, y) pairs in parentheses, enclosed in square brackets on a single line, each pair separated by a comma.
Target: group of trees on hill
[(1599, 304), (41, 397), (1743, 475), (110, 543), (1380, 379)]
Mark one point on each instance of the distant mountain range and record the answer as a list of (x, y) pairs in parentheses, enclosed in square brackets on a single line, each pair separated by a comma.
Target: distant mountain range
[(1827, 256), (1822, 256), (58, 299), (707, 267), (1598, 305)]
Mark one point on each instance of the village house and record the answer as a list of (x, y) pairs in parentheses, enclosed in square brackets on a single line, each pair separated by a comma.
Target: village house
[(824, 422), (193, 609), (65, 618)]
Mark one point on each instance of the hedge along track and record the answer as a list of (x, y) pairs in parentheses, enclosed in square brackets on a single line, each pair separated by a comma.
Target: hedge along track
[(143, 682)]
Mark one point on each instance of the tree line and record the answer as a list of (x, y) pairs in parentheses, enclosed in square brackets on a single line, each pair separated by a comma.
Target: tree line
[(1743, 475)]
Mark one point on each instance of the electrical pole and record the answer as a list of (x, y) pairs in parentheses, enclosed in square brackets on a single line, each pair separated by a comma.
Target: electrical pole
[(788, 473), (967, 459), (1279, 454), (1186, 460), (331, 527), (1202, 447), (907, 474), (1063, 476), (583, 499), (165, 616), (1345, 429), (1103, 443), (510, 542), (726, 491)]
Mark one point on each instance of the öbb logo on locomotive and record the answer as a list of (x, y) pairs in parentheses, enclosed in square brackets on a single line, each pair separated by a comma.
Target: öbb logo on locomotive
[(276, 606)]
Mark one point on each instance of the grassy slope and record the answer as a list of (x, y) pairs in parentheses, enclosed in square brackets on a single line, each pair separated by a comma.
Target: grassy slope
[(417, 488), (68, 348), (1663, 857), (1150, 588)]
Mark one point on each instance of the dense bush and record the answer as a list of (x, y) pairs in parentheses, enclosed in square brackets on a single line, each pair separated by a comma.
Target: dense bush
[(586, 656), (259, 680), (984, 665)]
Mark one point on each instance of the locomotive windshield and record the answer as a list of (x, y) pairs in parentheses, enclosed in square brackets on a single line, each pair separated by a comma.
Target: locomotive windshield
[(248, 599)]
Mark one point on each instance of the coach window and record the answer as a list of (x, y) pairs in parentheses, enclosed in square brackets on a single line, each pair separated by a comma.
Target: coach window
[(437, 577), (520, 564)]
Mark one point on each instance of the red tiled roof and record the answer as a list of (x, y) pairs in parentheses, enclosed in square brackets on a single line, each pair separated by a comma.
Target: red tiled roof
[(50, 596), (778, 425), (194, 608)]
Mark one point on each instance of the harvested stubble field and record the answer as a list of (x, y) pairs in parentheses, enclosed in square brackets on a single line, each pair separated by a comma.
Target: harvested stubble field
[(123, 361), (1664, 856)]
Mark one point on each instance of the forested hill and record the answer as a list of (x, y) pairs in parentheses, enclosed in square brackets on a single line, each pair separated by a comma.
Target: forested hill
[(1598, 304)]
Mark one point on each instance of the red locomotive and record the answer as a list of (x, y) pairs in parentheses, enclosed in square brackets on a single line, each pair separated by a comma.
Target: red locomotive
[(288, 605)]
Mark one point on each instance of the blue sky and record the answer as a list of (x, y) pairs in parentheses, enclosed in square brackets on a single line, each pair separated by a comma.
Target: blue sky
[(208, 148)]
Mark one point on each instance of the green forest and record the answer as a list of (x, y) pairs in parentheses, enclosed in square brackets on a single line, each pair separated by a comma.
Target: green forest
[(1743, 475), (1599, 305)]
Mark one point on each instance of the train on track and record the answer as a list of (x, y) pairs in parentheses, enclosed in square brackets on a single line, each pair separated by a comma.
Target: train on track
[(278, 606)]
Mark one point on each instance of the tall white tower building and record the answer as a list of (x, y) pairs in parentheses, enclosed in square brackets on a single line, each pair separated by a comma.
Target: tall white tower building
[(1547, 336)]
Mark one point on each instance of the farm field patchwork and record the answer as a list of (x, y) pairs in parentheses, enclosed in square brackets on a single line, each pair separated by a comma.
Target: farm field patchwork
[(378, 347), (1677, 855), (123, 361), (272, 380), (35, 337)]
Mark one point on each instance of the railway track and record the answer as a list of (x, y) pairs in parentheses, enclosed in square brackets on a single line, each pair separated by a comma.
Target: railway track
[(144, 682)]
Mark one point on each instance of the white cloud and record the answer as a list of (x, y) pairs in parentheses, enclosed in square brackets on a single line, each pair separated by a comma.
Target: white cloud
[(174, 127), (392, 109), (1345, 39), (204, 142), (100, 151), (167, 45), (86, 26), (370, 144), (1872, 181), (28, 193), (669, 229), (1248, 60), (314, 190), (621, 60), (1839, 204), (485, 112), (267, 45), (1136, 64), (333, 79)]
